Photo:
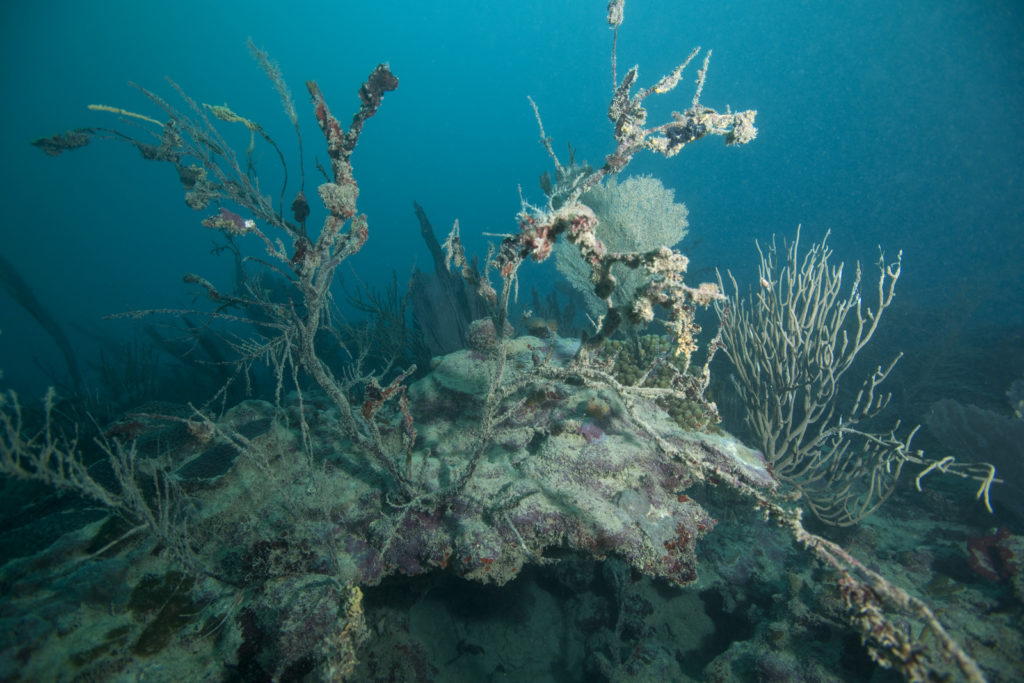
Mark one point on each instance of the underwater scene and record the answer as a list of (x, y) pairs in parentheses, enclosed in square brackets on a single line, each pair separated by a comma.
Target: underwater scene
[(512, 341)]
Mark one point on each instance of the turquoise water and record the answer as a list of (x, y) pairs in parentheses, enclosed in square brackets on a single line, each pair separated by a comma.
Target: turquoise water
[(892, 126)]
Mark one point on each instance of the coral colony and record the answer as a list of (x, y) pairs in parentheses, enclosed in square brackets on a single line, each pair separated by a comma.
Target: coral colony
[(255, 521)]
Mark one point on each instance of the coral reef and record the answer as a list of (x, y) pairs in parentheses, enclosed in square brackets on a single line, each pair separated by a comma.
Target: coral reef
[(539, 492), (255, 533)]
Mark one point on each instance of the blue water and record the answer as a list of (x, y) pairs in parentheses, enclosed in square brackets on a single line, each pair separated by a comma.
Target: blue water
[(892, 125)]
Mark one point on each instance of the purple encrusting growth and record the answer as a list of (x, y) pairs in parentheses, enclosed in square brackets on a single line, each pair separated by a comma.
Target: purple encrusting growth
[(592, 432)]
